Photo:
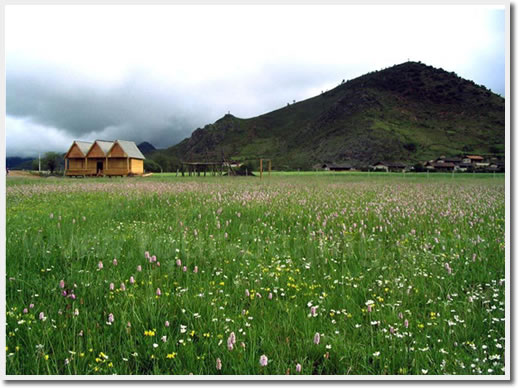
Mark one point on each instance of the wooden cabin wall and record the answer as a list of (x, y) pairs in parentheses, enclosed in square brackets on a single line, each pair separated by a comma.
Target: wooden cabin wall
[(136, 166)]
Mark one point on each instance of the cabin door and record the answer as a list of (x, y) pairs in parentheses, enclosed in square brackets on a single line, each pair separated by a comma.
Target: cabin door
[(99, 167)]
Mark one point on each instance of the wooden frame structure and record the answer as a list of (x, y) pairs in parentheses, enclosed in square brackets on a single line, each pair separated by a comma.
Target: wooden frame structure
[(261, 167)]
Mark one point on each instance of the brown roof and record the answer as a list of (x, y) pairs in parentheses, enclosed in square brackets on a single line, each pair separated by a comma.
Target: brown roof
[(475, 157)]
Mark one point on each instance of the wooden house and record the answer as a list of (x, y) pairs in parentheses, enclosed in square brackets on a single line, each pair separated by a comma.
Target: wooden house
[(104, 158)]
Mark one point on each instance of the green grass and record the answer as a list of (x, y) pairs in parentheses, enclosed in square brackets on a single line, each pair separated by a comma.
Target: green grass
[(339, 241)]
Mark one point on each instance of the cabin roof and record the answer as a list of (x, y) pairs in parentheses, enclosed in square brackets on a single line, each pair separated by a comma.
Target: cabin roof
[(84, 146), (130, 148), (104, 145)]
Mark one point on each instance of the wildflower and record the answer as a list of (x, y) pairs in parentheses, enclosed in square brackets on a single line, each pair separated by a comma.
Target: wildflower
[(80, 333), (61, 284), (25, 310), (298, 368), (270, 296), (166, 323), (158, 264), (100, 265), (146, 254), (158, 292), (123, 287), (218, 364), (406, 323), (376, 354), (178, 262), (139, 268), (76, 312), (247, 293), (64, 293), (132, 280), (184, 269), (171, 355), (391, 330), (153, 259), (258, 295), (31, 306), (72, 296), (67, 361), (110, 318), (128, 324), (195, 270), (369, 308), (263, 360), (164, 338), (112, 286), (155, 345), (115, 262), (400, 315), (42, 316), (231, 341), (316, 338)]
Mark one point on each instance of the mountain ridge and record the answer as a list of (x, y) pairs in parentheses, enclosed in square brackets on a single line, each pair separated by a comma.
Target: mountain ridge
[(408, 112)]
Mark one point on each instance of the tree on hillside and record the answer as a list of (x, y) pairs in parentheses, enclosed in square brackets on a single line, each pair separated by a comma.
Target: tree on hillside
[(51, 161)]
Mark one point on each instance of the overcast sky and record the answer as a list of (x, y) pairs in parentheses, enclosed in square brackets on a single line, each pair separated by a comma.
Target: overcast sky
[(156, 73)]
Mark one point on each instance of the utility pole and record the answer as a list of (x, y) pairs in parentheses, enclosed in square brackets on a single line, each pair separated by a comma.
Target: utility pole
[(39, 162)]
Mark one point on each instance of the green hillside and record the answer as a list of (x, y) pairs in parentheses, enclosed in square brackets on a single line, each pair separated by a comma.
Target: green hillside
[(409, 112)]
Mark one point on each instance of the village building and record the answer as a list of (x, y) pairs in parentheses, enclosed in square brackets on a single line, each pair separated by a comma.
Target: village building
[(389, 166), (336, 167), (104, 158)]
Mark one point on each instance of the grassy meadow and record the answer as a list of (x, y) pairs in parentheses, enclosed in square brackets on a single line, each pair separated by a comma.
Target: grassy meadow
[(338, 274)]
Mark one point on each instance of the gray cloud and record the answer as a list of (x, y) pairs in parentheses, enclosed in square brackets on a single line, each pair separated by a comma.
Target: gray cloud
[(142, 108)]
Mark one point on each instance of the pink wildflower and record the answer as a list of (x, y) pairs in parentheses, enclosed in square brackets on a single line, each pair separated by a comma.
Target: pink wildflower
[(178, 262), (146, 254), (158, 292), (263, 360), (123, 287), (298, 368), (25, 310), (184, 269), (166, 323), (369, 308), (139, 268), (42, 316), (31, 306), (316, 338), (153, 259), (218, 364), (195, 270), (115, 262), (61, 284), (100, 265), (132, 280), (406, 323), (110, 318), (270, 296), (112, 286), (247, 293)]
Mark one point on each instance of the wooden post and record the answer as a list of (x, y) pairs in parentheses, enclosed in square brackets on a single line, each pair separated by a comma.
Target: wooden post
[(260, 169), (86, 165), (269, 167), (127, 166), (106, 169)]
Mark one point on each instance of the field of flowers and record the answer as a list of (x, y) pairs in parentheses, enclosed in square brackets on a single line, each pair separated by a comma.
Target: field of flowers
[(293, 275)]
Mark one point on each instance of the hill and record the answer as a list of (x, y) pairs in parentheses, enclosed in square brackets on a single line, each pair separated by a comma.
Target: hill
[(146, 148), (408, 112), (18, 163)]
